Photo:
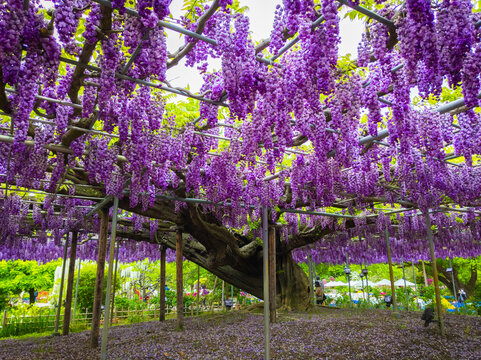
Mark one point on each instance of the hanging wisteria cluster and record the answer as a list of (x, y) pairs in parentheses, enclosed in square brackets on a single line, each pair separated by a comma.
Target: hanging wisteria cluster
[(283, 124)]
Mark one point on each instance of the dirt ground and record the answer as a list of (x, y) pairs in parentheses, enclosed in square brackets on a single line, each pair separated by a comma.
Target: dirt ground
[(322, 334)]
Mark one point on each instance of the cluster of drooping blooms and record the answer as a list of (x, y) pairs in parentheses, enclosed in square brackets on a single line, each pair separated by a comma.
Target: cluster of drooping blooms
[(455, 27), (12, 21), (67, 16), (279, 106), (365, 243), (418, 44), (202, 50), (243, 74)]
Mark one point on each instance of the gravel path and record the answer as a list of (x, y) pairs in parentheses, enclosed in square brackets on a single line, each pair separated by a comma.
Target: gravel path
[(324, 334)]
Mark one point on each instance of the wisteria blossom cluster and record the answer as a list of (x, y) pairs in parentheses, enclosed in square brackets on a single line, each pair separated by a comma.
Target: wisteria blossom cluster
[(280, 128)]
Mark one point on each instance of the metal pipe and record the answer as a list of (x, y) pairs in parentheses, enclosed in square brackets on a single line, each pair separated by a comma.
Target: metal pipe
[(163, 24), (367, 287), (115, 283), (113, 237), (265, 262), (100, 205), (348, 275), (370, 14)]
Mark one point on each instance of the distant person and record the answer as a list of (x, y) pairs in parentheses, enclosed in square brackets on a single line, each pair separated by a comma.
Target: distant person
[(461, 297), (320, 296), (388, 300)]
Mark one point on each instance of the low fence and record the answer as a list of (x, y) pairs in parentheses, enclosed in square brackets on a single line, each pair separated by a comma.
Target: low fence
[(21, 325)]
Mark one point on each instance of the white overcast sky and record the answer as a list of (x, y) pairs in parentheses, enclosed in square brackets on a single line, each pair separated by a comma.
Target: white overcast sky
[(261, 15)]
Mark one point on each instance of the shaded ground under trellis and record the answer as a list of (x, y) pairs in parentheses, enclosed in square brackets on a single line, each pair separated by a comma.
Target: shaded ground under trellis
[(328, 333)]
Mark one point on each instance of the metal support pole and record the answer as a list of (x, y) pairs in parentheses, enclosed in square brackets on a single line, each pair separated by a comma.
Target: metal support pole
[(435, 274), (113, 238), (180, 280), (415, 285), (68, 297), (362, 285), (405, 286), (367, 288), (391, 273), (265, 240), (162, 283), (115, 284), (198, 289), (223, 294), (59, 304), (349, 281), (76, 289), (272, 274), (454, 285)]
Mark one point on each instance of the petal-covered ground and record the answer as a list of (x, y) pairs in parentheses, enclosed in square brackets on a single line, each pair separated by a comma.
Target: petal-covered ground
[(324, 334)]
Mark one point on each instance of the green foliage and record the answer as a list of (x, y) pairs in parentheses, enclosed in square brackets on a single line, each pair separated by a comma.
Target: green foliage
[(17, 276), (86, 287)]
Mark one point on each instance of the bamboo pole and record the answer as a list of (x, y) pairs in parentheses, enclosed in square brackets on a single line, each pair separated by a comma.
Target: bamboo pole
[(180, 284), (68, 297), (59, 304), (162, 283), (435, 275), (99, 280), (424, 274)]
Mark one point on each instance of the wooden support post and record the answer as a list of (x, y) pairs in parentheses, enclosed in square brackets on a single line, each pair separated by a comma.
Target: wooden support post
[(311, 278), (435, 274), (424, 274), (272, 274), (76, 290), (391, 273), (115, 284), (59, 304), (180, 278), (162, 283), (99, 281), (68, 297), (5, 319)]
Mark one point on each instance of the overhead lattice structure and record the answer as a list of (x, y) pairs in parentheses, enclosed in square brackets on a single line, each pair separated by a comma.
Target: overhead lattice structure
[(334, 147)]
